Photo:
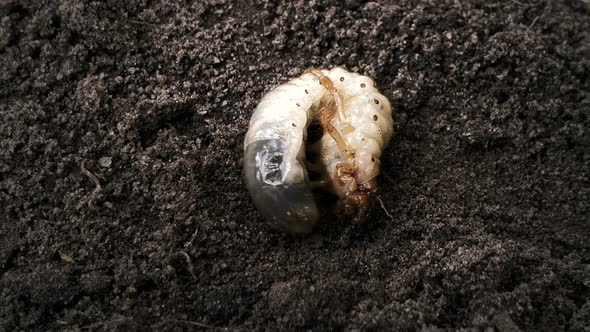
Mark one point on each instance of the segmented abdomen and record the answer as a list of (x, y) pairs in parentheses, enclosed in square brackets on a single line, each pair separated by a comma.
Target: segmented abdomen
[(274, 159)]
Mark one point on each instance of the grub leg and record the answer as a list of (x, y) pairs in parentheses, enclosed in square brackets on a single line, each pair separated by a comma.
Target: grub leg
[(327, 83), (326, 114)]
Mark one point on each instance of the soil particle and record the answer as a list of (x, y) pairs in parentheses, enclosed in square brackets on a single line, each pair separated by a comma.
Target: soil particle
[(486, 179)]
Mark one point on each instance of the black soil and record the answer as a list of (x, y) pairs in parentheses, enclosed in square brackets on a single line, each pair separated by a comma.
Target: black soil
[(487, 179)]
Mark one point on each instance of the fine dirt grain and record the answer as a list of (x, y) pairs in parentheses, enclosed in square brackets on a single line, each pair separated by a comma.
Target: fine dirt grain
[(487, 179)]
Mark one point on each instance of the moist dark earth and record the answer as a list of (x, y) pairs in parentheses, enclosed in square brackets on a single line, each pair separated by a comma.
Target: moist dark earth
[(122, 200)]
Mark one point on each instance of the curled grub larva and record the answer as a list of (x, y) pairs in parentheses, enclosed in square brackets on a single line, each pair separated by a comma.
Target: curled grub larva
[(356, 125)]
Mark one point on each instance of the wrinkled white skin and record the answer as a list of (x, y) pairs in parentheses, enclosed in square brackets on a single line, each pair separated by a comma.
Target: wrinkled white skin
[(287, 111)]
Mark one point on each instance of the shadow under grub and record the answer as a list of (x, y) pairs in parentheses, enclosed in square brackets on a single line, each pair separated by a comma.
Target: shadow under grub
[(325, 200)]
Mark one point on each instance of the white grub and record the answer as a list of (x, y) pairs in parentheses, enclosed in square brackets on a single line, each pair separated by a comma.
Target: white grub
[(357, 125)]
